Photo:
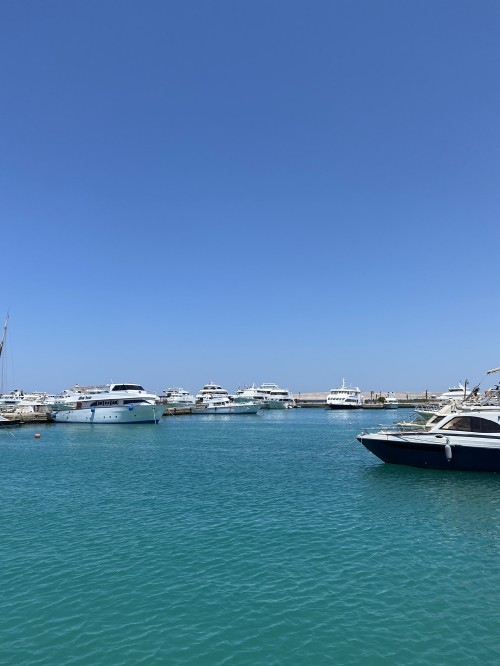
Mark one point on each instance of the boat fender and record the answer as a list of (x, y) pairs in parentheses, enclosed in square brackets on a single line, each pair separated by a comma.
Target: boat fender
[(92, 409), (130, 408), (448, 452)]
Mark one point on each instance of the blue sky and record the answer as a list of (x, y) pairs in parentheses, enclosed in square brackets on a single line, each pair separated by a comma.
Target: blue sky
[(250, 191)]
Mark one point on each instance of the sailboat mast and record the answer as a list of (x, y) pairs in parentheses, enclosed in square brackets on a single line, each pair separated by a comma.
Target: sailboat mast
[(2, 342)]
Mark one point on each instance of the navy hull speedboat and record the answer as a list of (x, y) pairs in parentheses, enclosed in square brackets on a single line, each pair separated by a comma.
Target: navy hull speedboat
[(465, 437), (468, 439)]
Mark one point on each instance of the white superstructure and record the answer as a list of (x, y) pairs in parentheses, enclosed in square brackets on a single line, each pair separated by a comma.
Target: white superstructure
[(211, 390), (458, 393), (177, 397)]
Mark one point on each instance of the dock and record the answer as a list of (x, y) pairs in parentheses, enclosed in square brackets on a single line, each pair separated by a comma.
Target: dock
[(29, 417)]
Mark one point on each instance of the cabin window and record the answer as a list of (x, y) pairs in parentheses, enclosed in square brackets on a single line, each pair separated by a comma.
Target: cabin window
[(471, 424), (127, 387)]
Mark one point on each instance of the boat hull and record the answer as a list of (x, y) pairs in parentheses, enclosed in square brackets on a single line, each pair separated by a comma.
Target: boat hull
[(344, 406), (112, 415), (431, 453), (9, 423), (274, 404), (235, 408)]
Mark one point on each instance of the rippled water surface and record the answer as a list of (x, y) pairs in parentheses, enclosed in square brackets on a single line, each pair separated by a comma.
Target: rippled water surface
[(268, 539)]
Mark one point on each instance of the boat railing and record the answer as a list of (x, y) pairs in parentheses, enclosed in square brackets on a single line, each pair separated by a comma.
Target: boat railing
[(490, 398), (402, 426)]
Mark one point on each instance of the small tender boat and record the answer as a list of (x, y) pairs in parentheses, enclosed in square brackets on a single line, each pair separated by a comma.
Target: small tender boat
[(391, 402)]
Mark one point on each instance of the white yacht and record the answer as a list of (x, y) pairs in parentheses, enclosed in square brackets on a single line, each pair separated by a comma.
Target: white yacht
[(177, 397), (276, 397), (391, 402), (458, 393), (250, 393), (10, 400), (116, 403), (24, 403), (223, 405), (455, 395), (345, 397)]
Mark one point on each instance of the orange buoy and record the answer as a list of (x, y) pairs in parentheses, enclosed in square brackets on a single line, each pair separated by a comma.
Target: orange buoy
[(37, 436)]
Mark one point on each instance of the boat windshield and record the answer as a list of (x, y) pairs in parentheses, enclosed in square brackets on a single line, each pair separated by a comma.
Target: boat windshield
[(127, 387), (471, 424)]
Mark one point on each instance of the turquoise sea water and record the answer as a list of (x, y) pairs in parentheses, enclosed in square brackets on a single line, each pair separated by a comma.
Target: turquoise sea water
[(268, 539)]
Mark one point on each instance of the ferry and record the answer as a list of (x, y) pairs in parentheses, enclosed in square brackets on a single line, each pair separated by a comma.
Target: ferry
[(345, 397)]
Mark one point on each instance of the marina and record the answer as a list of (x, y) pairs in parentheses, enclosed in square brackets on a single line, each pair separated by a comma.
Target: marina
[(251, 512)]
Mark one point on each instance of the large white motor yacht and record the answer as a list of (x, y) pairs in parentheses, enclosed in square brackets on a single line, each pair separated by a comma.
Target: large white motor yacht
[(455, 395), (277, 398), (177, 397), (250, 393), (345, 397), (116, 403), (458, 393)]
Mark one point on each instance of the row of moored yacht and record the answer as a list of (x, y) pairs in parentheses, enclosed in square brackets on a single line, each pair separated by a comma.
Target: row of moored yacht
[(131, 403), (213, 398)]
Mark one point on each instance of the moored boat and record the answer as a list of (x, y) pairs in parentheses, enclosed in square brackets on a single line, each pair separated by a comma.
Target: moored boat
[(463, 438), (211, 390), (224, 405), (116, 403), (177, 397), (390, 401), (8, 422), (271, 396), (276, 397), (345, 397)]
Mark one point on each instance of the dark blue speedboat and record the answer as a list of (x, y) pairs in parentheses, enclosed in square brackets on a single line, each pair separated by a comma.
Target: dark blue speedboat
[(468, 439)]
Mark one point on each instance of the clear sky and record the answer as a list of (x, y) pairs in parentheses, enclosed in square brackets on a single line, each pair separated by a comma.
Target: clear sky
[(248, 191)]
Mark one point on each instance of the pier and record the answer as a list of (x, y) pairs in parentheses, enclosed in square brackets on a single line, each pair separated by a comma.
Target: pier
[(28, 417), (367, 405)]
